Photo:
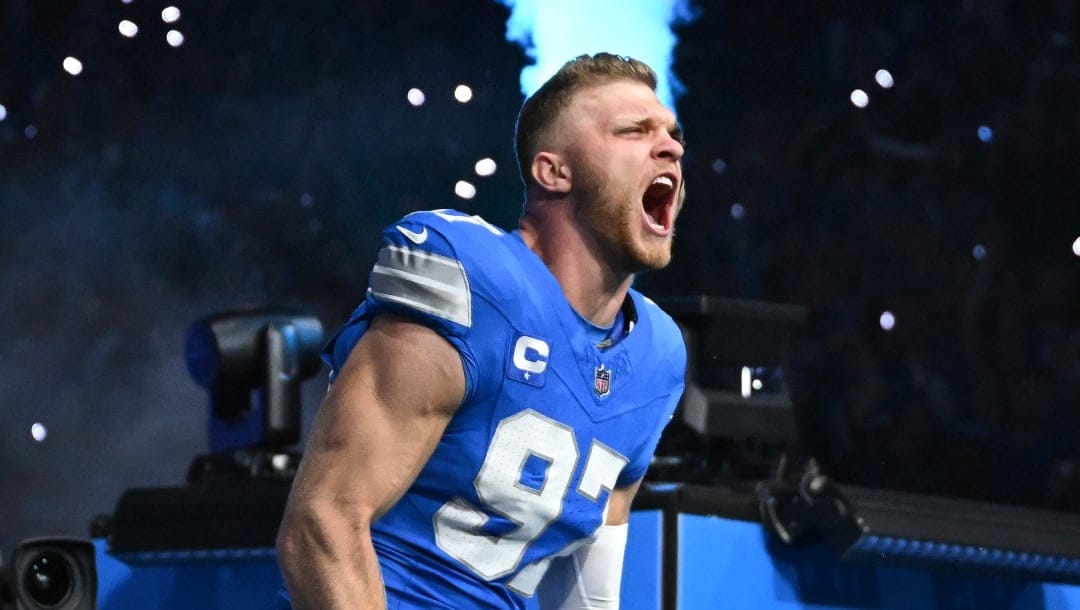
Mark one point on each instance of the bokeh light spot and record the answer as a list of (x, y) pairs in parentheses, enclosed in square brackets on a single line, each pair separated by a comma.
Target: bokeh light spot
[(128, 29), (464, 189), (174, 38), (463, 93), (72, 66), (485, 167), (887, 321)]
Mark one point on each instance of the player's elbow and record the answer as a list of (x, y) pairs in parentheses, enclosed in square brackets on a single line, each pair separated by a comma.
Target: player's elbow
[(315, 535), (298, 534), (289, 546)]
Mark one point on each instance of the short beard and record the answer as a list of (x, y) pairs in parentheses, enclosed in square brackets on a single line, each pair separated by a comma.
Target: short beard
[(613, 225)]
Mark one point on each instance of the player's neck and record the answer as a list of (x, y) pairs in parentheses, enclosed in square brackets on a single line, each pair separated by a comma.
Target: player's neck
[(593, 287)]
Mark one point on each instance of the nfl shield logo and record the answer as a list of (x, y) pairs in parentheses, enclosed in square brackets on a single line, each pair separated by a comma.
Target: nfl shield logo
[(602, 381)]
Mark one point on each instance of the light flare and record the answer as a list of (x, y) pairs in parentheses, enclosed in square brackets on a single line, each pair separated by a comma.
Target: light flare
[(555, 31)]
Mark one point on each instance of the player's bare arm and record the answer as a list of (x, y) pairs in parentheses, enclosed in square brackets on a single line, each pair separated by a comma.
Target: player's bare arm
[(621, 498), (375, 430)]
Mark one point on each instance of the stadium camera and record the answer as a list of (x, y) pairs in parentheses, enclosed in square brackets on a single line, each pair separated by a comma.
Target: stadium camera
[(54, 573), (252, 361)]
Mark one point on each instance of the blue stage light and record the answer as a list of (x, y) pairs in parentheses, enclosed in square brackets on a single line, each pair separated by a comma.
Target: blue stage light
[(252, 362)]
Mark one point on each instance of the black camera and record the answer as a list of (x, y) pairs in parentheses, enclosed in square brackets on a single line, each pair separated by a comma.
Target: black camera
[(54, 573)]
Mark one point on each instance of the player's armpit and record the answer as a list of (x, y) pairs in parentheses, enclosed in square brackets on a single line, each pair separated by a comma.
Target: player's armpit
[(375, 430)]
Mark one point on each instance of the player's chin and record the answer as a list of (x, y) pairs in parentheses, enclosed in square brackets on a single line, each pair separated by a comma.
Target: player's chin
[(659, 261), (652, 253)]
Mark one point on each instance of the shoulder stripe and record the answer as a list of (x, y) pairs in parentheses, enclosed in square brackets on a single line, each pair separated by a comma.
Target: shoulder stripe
[(426, 282)]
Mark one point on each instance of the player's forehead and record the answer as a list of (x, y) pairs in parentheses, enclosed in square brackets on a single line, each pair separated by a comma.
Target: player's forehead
[(622, 100)]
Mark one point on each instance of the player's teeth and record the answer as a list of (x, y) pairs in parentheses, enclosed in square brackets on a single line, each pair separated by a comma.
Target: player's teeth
[(663, 180)]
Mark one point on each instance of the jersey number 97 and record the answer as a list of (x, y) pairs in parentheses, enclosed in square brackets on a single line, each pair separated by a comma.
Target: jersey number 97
[(499, 486)]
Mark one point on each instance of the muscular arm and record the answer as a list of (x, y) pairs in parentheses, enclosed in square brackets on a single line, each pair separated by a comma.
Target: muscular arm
[(375, 430)]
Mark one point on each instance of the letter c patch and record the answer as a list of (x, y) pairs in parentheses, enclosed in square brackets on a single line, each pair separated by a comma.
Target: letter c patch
[(528, 360)]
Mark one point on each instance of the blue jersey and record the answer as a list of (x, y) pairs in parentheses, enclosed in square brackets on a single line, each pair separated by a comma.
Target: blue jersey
[(549, 425)]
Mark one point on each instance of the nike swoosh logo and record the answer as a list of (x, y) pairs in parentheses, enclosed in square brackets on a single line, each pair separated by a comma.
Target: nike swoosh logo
[(416, 238)]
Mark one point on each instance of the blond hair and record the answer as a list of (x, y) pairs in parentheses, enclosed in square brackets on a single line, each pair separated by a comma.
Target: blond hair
[(544, 107)]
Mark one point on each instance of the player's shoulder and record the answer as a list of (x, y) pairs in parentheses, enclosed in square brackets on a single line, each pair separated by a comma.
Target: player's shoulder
[(666, 336), (469, 239), (489, 259), (455, 228)]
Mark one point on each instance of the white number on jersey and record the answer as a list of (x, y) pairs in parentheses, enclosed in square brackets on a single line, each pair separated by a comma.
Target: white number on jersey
[(500, 488)]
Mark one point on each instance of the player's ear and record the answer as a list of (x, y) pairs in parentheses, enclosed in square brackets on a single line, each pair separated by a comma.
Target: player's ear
[(551, 172)]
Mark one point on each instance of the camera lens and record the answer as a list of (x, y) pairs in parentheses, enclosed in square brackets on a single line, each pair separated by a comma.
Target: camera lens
[(48, 579)]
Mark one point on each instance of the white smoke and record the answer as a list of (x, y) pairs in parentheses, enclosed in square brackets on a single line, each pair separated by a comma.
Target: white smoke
[(554, 31)]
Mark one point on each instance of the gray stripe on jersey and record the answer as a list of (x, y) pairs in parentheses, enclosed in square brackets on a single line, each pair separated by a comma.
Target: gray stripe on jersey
[(426, 282)]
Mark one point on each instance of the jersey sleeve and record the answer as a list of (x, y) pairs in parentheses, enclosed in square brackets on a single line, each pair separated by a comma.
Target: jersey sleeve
[(635, 469), (419, 275), (671, 353)]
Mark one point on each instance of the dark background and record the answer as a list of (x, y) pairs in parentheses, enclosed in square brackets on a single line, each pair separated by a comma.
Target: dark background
[(257, 162)]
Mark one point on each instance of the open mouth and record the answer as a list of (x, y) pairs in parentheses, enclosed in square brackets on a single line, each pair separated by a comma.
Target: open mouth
[(658, 203)]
